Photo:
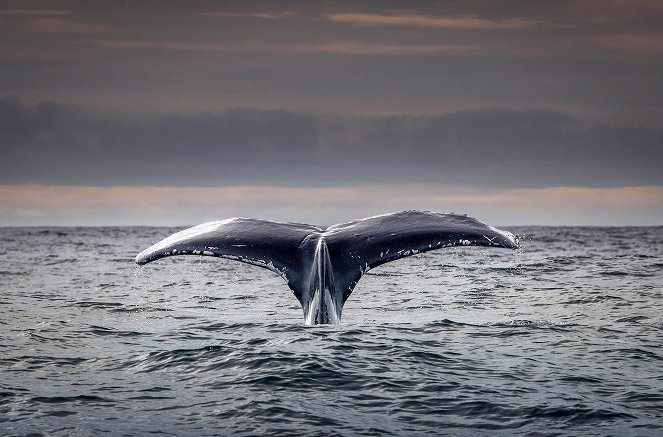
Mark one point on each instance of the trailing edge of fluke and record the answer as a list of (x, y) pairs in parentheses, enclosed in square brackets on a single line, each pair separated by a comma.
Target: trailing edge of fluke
[(322, 266)]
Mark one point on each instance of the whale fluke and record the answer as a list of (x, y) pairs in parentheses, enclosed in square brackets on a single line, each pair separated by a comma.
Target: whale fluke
[(322, 266)]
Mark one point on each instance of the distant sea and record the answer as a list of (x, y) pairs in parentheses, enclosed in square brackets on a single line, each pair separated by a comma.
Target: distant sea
[(562, 337)]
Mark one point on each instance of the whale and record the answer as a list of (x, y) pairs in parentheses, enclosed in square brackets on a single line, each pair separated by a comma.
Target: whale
[(322, 266)]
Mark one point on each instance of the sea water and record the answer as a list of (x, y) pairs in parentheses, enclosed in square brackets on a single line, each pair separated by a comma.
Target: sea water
[(562, 337)]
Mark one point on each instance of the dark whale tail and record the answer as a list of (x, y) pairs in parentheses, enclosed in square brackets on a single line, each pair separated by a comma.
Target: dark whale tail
[(322, 266)]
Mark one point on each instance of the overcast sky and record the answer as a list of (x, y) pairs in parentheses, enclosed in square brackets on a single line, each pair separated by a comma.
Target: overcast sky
[(141, 112)]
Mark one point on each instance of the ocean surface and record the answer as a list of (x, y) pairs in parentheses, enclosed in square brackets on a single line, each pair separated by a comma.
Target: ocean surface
[(561, 337)]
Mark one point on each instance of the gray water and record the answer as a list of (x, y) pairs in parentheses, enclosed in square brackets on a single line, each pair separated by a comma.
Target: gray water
[(559, 338)]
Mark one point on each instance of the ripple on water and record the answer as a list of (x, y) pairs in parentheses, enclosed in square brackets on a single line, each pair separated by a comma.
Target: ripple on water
[(559, 338)]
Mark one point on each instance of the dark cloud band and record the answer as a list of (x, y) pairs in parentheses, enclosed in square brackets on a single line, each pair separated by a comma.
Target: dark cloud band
[(55, 144)]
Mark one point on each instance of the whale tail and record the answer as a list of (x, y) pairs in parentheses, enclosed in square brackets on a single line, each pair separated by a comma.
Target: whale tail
[(323, 266)]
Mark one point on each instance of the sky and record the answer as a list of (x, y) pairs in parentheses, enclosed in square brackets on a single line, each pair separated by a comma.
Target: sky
[(180, 112)]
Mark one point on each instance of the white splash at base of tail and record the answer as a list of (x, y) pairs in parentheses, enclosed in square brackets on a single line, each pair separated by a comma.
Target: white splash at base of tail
[(324, 306)]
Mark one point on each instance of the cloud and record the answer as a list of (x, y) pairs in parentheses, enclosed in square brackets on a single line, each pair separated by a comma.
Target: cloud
[(94, 205), (59, 25), (164, 45), (464, 22), (334, 47), (496, 147), (50, 21), (633, 44), (258, 15), (37, 12), (363, 48)]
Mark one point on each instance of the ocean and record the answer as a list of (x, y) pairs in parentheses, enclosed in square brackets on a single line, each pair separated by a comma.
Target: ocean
[(560, 337)]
